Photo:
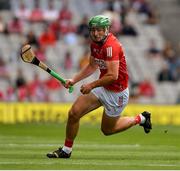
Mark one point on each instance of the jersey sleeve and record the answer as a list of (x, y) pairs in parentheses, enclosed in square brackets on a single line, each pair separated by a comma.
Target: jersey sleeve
[(112, 52)]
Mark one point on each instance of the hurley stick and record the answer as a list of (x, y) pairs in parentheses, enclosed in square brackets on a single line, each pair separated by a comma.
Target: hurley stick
[(28, 56)]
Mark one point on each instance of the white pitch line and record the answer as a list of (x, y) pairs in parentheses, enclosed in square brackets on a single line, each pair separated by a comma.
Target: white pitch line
[(84, 145), (87, 163), (76, 145)]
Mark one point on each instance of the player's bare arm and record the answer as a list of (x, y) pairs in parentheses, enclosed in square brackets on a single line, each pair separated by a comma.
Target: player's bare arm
[(108, 78), (84, 73)]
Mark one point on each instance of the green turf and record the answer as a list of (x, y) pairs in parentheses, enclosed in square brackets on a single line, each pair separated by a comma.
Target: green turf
[(24, 146)]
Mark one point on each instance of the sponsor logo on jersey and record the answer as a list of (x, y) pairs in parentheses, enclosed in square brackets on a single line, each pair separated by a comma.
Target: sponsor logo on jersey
[(101, 63)]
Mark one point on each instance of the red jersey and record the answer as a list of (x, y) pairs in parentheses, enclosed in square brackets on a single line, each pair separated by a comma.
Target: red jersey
[(111, 50)]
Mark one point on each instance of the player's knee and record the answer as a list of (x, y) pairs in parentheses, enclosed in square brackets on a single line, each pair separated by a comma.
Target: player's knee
[(74, 115), (106, 131)]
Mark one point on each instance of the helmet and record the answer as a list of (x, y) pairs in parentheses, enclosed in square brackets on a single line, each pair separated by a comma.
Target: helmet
[(99, 21)]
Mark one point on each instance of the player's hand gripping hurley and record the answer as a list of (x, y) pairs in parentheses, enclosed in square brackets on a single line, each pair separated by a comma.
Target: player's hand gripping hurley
[(28, 56)]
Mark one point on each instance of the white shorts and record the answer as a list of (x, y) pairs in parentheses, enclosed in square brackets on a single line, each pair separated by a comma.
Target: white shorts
[(113, 102)]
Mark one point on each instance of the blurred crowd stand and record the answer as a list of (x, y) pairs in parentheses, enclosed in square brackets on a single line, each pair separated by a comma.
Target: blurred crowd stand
[(58, 32)]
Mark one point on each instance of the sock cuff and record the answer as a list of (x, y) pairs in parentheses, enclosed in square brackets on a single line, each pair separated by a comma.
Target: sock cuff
[(140, 119), (68, 143), (67, 149), (137, 119)]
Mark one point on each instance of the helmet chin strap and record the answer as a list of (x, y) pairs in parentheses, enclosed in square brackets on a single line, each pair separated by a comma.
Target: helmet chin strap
[(104, 38)]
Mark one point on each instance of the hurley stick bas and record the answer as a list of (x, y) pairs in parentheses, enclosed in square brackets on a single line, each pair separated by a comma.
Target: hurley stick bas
[(28, 56)]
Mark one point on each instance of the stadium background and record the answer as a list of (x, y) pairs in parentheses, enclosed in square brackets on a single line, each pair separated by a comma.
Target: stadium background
[(57, 30)]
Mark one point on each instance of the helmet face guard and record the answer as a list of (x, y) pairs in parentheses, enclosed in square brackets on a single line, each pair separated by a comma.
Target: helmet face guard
[(99, 21)]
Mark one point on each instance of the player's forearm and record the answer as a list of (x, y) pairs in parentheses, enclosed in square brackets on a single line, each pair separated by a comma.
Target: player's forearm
[(84, 73), (105, 80)]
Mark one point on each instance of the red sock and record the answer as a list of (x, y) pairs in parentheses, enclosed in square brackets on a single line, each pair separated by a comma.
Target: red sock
[(68, 143), (138, 119)]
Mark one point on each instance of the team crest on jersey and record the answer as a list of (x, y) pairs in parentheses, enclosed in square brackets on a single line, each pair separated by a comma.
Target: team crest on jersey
[(109, 52), (98, 51)]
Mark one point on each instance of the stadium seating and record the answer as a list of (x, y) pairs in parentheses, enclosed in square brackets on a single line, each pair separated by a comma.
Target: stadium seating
[(139, 65)]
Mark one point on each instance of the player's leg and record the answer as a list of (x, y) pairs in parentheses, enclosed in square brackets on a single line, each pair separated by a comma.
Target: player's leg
[(111, 125), (114, 104), (83, 105)]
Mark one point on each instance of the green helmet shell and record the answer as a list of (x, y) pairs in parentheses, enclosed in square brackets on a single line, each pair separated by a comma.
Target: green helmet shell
[(99, 21)]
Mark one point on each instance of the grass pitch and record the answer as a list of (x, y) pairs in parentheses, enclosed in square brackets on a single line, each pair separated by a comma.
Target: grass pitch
[(24, 147)]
